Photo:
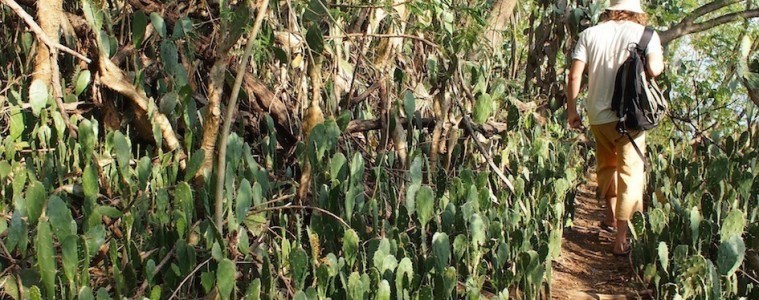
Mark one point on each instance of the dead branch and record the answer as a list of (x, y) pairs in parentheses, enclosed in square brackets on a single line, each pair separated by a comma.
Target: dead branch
[(231, 107), (384, 36), (29, 20), (115, 79), (469, 128), (488, 129)]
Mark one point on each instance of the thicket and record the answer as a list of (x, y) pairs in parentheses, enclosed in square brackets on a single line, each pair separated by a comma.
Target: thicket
[(308, 149)]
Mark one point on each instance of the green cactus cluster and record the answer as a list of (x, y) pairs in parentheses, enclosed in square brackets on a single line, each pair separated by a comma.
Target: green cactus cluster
[(697, 240)]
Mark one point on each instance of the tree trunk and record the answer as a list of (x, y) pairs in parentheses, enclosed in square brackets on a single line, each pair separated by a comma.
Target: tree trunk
[(497, 22), (313, 117), (49, 18)]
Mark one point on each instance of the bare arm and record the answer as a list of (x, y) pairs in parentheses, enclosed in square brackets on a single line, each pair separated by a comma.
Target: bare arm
[(572, 92), (655, 64)]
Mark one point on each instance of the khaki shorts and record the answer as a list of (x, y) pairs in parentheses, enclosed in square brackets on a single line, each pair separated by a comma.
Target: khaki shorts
[(620, 170)]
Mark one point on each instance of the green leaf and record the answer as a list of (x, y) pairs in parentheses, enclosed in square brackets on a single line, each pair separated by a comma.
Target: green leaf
[(150, 270), (87, 138), (109, 211), (350, 246), (208, 281), (144, 169), (139, 24), (315, 39), (240, 20), (34, 201), (664, 255), (158, 24), (449, 280), (355, 287), (477, 231), (46, 257), (90, 187), (196, 161), (315, 11), (300, 295), (35, 293), (254, 290), (216, 252), (409, 104), (155, 292), (38, 96), (336, 165), (383, 293), (441, 250), (169, 100), (183, 194), (732, 226), (244, 201), (93, 15), (17, 233), (404, 274), (85, 293), (122, 148), (299, 267), (94, 238), (82, 81), (183, 28), (225, 277), (459, 246), (482, 109), (425, 204), (730, 255), (16, 124), (60, 217), (70, 257)]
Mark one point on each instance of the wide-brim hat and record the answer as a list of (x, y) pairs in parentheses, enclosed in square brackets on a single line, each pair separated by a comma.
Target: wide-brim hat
[(628, 5)]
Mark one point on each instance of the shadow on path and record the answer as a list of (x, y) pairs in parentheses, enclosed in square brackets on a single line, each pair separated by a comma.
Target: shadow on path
[(586, 268)]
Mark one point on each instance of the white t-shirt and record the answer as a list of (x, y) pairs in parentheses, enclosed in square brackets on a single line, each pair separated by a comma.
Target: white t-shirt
[(603, 49)]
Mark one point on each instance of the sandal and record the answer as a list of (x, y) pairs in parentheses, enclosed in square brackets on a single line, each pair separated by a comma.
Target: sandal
[(607, 227), (627, 249)]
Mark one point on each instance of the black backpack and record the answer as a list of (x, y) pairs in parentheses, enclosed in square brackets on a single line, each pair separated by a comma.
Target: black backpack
[(637, 100)]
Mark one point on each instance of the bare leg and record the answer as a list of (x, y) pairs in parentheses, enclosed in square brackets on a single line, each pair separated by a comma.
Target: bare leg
[(620, 243), (611, 205)]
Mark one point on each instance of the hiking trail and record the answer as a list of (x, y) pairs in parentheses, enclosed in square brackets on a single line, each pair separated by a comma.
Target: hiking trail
[(586, 269)]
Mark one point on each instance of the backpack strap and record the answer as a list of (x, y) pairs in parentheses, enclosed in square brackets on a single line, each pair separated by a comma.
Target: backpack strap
[(646, 165), (645, 39)]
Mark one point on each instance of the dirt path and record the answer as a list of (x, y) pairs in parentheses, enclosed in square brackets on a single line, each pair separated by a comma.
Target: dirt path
[(586, 268)]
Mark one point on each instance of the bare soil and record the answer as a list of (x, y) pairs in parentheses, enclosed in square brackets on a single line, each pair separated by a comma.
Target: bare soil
[(586, 268)]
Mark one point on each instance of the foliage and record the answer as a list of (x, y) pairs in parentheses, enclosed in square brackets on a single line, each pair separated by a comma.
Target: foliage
[(698, 240), (411, 209)]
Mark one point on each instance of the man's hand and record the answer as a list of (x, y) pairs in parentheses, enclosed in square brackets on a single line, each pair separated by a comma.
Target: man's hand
[(572, 90), (573, 119)]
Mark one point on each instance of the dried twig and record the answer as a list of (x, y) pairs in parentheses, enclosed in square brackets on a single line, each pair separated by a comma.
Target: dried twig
[(141, 290), (381, 35), (174, 294), (232, 105), (29, 20), (321, 210), (469, 128)]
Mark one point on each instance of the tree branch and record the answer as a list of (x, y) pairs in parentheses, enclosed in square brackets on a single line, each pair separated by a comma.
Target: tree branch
[(29, 20), (488, 129), (115, 79), (707, 8), (685, 27)]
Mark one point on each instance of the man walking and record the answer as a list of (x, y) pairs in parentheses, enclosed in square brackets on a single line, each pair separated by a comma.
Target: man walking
[(602, 49)]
